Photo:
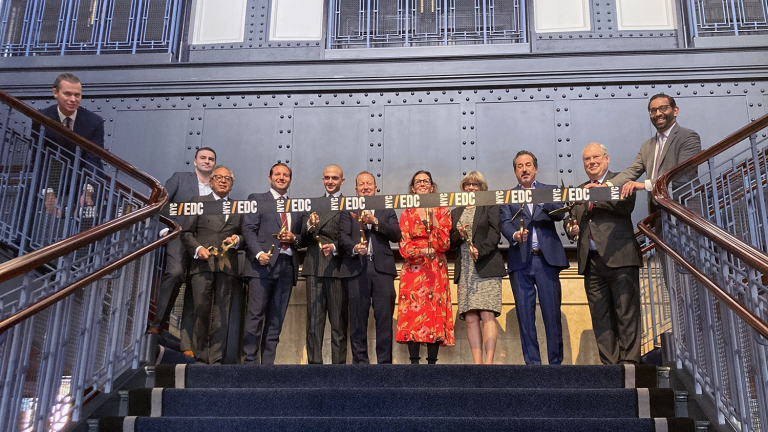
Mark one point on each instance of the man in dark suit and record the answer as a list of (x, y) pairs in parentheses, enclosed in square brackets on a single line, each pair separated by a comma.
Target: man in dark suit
[(214, 271), (67, 91), (325, 295), (368, 273), (271, 274), (536, 257), (181, 187), (609, 259), (671, 145)]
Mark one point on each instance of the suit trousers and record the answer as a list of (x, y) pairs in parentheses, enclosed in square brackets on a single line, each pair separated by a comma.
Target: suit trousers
[(614, 303), (325, 296), (212, 297), (175, 274), (371, 287), (267, 305), (538, 277)]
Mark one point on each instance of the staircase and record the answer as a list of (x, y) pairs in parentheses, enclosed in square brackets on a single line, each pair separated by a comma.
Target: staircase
[(189, 398)]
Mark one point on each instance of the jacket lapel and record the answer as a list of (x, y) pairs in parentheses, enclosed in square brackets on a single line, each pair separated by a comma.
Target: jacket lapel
[(667, 145)]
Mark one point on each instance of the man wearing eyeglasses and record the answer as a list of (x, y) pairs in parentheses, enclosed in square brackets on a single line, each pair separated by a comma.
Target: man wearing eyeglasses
[(670, 145), (212, 241), (325, 295)]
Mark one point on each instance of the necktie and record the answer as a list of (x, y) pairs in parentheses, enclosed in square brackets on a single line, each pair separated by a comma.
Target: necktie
[(657, 159), (68, 122), (284, 222)]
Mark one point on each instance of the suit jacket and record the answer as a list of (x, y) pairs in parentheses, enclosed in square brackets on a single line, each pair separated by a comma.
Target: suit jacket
[(257, 230), (88, 125), (681, 145), (210, 230), (485, 238), (315, 262), (549, 242), (181, 187), (610, 224), (349, 236)]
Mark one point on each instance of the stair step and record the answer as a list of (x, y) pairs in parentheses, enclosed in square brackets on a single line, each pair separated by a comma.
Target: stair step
[(401, 376), (381, 424), (403, 402)]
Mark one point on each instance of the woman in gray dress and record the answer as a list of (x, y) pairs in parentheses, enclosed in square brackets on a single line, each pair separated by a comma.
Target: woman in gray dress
[(478, 269)]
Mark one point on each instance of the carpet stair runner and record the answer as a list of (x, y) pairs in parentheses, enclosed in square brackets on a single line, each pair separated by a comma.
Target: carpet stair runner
[(233, 398)]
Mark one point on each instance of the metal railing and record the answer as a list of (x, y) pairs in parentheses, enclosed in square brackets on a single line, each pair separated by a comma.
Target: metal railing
[(727, 17), (402, 23), (717, 268), (47, 27), (72, 312), (654, 296)]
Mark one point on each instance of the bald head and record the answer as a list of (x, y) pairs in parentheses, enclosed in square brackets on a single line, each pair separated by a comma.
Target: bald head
[(333, 178)]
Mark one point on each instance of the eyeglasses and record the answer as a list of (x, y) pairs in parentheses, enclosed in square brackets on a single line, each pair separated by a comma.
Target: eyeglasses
[(227, 179), (661, 109), (425, 182), (475, 185)]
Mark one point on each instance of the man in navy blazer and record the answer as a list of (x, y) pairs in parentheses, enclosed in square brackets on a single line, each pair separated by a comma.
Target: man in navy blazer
[(271, 276), (536, 257), (67, 91), (368, 273), (181, 187)]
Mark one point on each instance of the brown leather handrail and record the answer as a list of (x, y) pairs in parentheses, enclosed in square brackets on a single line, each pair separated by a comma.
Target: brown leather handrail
[(32, 260), (745, 252)]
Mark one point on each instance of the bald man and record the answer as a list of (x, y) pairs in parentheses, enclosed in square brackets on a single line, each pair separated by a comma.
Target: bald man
[(325, 294)]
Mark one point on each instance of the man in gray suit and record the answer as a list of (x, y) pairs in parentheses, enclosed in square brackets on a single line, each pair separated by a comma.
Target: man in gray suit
[(609, 259), (181, 187), (671, 145), (325, 295), (213, 270)]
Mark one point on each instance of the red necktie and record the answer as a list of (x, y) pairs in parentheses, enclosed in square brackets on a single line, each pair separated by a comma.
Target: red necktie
[(284, 222)]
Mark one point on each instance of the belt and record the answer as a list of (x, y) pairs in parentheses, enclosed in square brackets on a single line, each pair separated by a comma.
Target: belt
[(536, 251)]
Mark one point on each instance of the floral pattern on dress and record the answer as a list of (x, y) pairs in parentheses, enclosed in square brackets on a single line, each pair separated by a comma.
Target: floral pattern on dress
[(424, 312)]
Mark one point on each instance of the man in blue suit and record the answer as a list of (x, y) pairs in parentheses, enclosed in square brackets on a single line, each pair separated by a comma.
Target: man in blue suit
[(536, 257), (271, 276)]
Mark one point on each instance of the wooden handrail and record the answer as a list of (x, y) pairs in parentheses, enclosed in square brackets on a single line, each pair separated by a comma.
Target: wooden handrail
[(745, 252), (748, 316), (28, 262)]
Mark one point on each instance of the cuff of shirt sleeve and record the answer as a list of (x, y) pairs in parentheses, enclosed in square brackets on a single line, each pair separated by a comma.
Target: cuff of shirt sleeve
[(197, 250), (163, 232), (648, 185)]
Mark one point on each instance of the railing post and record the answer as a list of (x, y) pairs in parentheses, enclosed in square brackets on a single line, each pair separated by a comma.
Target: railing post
[(735, 18), (67, 18), (485, 21), (523, 22), (139, 20), (763, 214)]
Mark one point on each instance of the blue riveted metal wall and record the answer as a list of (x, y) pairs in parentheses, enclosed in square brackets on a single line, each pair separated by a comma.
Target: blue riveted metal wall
[(393, 133)]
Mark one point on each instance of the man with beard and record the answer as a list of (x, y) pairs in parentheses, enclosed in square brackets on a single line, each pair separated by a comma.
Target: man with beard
[(181, 187), (325, 296), (670, 145), (368, 273)]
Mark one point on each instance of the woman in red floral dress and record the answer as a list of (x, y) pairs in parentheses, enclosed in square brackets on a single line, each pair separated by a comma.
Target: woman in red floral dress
[(424, 313)]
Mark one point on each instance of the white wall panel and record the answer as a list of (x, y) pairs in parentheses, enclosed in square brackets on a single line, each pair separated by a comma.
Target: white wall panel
[(296, 20), (218, 21), (561, 15), (646, 15)]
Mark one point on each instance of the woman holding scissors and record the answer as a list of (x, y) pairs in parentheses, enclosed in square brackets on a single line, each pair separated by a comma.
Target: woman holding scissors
[(478, 269), (424, 307)]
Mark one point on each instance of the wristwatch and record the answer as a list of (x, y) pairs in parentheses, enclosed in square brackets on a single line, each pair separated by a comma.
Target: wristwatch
[(376, 223)]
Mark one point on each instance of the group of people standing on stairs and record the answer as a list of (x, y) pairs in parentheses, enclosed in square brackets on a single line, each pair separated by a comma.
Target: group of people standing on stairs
[(350, 268)]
